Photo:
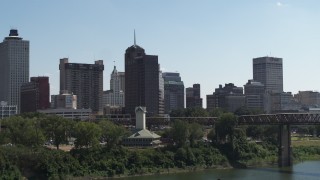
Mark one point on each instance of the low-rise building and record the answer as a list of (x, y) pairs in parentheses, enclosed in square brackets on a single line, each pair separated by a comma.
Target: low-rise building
[(81, 114), (7, 110), (141, 136)]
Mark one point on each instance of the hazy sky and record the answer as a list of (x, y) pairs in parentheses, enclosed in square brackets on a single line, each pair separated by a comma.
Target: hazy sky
[(209, 42)]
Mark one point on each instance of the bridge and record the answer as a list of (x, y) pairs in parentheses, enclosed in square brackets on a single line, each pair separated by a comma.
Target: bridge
[(284, 121)]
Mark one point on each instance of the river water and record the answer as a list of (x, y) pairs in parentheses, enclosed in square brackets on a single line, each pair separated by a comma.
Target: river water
[(308, 170)]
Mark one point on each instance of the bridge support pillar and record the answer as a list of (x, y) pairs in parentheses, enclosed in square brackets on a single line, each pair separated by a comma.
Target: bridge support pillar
[(285, 151)]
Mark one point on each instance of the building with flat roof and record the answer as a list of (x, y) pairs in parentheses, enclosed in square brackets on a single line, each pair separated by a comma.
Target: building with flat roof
[(308, 98), (85, 81), (269, 71), (81, 114), (14, 67), (64, 100), (35, 94), (254, 92), (229, 98), (193, 96), (7, 110), (173, 91)]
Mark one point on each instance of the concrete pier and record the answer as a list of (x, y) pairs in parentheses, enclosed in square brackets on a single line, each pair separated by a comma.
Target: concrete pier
[(285, 151)]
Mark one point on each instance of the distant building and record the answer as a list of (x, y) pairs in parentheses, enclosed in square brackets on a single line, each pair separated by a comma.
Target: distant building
[(308, 98), (173, 91), (35, 94), (193, 97), (85, 81), (229, 98), (142, 81), (254, 93), (14, 67), (269, 71), (7, 110), (81, 114), (281, 102), (115, 96), (141, 136), (64, 100), (161, 93)]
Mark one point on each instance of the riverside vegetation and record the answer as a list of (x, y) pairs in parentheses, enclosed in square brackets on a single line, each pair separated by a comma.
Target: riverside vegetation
[(24, 153)]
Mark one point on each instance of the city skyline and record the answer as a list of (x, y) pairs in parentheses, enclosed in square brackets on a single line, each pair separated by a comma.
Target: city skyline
[(209, 43)]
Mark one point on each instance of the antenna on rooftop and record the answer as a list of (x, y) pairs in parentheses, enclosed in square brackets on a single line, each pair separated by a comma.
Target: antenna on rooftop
[(134, 36)]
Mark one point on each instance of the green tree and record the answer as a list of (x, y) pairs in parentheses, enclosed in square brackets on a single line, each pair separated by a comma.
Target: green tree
[(180, 132), (212, 135), (216, 112), (111, 132), (225, 126), (87, 134), (23, 131), (57, 129), (196, 133)]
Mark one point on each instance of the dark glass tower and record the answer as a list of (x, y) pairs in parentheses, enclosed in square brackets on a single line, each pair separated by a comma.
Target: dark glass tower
[(141, 81)]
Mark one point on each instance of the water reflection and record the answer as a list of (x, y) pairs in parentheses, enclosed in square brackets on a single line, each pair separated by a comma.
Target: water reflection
[(309, 170)]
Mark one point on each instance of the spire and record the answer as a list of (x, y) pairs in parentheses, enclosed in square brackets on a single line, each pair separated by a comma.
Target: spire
[(134, 34)]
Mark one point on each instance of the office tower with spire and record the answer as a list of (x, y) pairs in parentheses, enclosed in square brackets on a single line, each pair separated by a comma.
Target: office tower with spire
[(14, 67), (85, 81), (115, 96), (142, 81), (173, 91), (269, 71)]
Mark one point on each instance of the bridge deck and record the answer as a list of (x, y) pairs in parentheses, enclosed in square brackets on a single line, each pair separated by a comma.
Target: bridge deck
[(277, 119)]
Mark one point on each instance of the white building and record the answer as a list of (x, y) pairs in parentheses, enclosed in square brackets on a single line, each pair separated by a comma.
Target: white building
[(64, 100), (115, 96), (82, 114), (7, 110), (14, 67), (141, 136)]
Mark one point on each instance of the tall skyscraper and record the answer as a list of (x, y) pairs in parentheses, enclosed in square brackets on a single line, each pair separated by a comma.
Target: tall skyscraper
[(141, 81), (193, 98), (85, 81), (35, 94), (173, 91), (269, 71), (14, 67), (115, 96)]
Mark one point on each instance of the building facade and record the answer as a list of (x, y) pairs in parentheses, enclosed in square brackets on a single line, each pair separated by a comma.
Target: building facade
[(281, 103), (173, 91), (79, 114), (308, 98), (85, 81), (115, 96), (193, 96), (64, 100), (142, 81), (7, 110), (254, 92), (229, 98), (35, 94), (269, 71), (14, 67)]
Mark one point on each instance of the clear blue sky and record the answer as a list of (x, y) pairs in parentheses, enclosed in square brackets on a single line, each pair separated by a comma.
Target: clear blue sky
[(209, 42)]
